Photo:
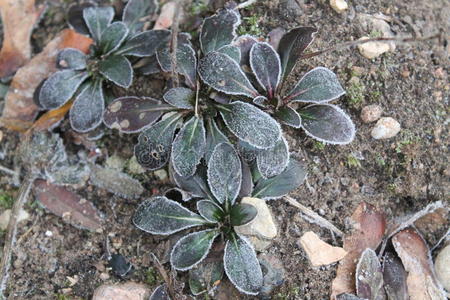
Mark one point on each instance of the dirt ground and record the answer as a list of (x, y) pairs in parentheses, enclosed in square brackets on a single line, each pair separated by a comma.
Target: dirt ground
[(400, 175)]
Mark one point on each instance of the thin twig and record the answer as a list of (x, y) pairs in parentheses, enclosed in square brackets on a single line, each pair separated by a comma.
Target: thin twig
[(246, 4), (313, 217), (446, 236), (8, 171), (377, 39), (10, 238), (196, 98), (174, 42), (164, 275)]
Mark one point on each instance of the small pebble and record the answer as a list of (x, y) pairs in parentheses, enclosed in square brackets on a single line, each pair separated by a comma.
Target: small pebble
[(371, 113), (48, 233), (339, 5), (161, 174), (6, 215), (385, 128), (374, 49), (126, 291), (442, 266)]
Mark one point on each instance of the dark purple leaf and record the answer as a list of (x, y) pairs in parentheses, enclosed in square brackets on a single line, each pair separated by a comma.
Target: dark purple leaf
[(289, 116), (368, 276), (75, 17), (394, 276), (245, 44), (133, 114), (266, 66)]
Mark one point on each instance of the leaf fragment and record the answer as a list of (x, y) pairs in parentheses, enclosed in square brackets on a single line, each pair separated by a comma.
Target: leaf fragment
[(222, 73), (266, 66), (242, 214), (71, 58), (210, 211), (289, 116), (87, 109), (145, 43), (98, 19), (205, 276), (320, 85), (159, 215), (251, 125), (224, 173), (273, 161), (369, 277), (214, 137), (189, 147), (112, 37), (180, 97), (242, 266), (135, 10), (327, 123), (219, 30), (117, 68), (394, 276)]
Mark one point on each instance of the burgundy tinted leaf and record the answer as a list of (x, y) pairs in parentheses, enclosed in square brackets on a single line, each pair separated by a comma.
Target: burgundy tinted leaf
[(219, 30), (155, 143), (87, 109), (292, 45), (68, 205), (327, 123), (180, 97), (186, 62), (319, 85), (266, 65), (71, 58), (415, 256), (369, 278), (222, 73), (275, 36), (133, 114), (231, 51), (394, 276), (289, 116), (273, 161), (369, 225), (245, 44)]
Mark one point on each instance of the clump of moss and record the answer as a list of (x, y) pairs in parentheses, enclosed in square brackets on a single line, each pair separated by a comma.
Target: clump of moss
[(6, 200)]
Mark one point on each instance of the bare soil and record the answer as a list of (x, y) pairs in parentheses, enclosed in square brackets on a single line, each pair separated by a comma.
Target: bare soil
[(399, 175)]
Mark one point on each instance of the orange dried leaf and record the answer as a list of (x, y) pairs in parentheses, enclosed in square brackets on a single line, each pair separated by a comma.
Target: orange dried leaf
[(20, 109), (18, 18), (369, 225), (52, 117)]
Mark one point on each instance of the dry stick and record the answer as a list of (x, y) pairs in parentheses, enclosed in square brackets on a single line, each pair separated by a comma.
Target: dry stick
[(174, 42), (377, 39), (446, 236), (8, 171), (246, 4), (10, 238), (313, 217), (164, 275)]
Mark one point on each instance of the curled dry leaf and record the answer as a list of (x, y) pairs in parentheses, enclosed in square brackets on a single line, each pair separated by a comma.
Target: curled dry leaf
[(415, 255), (369, 225), (18, 19), (20, 109), (68, 205), (319, 252)]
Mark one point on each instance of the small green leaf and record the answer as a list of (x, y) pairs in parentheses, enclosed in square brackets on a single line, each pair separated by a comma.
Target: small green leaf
[(231, 51), (224, 173), (289, 116), (70, 58), (242, 267), (87, 109), (186, 62), (204, 276), (242, 214), (192, 249), (280, 185), (135, 10), (133, 114), (222, 73), (219, 30), (159, 215), (97, 19), (273, 161), (145, 43), (180, 97), (60, 87), (327, 123), (214, 137), (210, 211), (251, 124), (189, 147), (292, 45), (154, 143), (319, 85), (112, 37), (117, 69), (266, 66)]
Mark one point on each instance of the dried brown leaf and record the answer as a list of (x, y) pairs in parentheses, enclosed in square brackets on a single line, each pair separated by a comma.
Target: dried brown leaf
[(68, 205), (369, 225), (20, 109), (394, 276), (369, 278), (415, 255), (18, 18)]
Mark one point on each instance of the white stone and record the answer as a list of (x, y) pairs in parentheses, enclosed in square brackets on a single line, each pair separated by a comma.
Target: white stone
[(442, 266), (339, 5), (319, 252), (6, 215), (126, 291), (262, 230), (372, 49), (385, 128), (161, 174), (371, 113)]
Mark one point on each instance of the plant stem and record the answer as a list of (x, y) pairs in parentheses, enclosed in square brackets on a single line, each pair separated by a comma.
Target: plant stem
[(174, 42), (10, 238), (197, 91)]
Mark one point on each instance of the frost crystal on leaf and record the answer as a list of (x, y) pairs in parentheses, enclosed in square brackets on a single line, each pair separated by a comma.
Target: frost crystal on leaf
[(87, 110), (266, 66), (97, 19), (219, 30), (273, 161)]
